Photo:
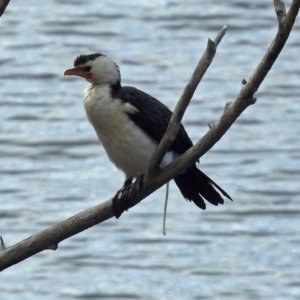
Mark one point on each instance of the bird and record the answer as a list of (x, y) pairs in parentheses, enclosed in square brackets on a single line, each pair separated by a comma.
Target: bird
[(130, 124)]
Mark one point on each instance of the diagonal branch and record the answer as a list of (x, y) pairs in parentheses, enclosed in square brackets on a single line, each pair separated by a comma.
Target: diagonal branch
[(245, 98), (183, 103), (2, 243), (3, 5), (49, 238)]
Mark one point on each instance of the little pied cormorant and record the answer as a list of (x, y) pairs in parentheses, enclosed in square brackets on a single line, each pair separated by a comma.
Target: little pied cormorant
[(130, 124)]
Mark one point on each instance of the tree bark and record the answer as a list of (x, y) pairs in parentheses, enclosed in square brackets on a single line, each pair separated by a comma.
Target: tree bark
[(155, 177)]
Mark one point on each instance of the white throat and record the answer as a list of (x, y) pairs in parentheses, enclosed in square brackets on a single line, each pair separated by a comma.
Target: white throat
[(127, 146)]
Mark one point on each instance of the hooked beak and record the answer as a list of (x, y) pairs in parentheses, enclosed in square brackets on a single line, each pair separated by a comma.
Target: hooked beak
[(78, 72)]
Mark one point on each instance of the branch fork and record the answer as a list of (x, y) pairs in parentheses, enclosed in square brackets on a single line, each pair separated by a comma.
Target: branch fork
[(156, 177)]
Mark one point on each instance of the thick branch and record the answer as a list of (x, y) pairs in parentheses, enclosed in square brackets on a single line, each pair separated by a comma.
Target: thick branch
[(49, 238)]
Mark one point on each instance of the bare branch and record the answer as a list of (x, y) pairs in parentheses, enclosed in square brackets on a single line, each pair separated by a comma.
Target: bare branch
[(244, 99), (49, 238), (183, 103), (220, 35), (280, 11), (52, 236), (292, 14), (3, 5), (2, 243)]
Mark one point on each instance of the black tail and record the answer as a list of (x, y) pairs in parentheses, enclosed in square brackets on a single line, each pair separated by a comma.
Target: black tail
[(195, 185)]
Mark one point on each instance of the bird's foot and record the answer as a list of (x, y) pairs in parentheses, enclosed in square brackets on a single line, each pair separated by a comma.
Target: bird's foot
[(124, 196)]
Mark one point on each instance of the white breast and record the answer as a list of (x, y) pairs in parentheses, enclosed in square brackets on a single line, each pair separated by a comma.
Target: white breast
[(126, 145)]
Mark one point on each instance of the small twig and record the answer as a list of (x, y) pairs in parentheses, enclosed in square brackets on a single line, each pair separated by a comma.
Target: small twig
[(3, 5), (220, 35), (2, 243), (280, 11), (165, 208)]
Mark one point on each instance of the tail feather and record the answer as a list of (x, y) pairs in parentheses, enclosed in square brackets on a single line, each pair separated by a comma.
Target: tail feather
[(196, 186)]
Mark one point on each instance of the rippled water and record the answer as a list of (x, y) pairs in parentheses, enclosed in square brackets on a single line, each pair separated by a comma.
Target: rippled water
[(52, 165)]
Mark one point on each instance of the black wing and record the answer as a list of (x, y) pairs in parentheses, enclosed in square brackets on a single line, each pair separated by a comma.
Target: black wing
[(153, 117)]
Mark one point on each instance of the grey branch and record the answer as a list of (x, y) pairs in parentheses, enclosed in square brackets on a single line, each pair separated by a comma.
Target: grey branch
[(280, 10), (183, 103), (52, 236), (3, 5)]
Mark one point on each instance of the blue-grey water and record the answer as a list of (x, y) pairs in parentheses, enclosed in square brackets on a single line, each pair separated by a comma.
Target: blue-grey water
[(52, 165)]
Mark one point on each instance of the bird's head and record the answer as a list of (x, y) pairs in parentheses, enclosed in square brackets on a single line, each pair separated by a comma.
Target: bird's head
[(96, 68)]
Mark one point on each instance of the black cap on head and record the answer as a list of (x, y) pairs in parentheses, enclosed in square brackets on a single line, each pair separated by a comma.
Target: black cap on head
[(82, 59)]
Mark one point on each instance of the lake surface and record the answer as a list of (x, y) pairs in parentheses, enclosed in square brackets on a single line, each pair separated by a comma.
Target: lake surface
[(52, 165)]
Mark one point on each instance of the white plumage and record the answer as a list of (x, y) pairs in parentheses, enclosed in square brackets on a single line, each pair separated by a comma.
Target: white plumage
[(126, 145), (130, 123)]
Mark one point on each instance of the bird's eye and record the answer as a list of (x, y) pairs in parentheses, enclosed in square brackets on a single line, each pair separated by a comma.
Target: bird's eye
[(87, 69)]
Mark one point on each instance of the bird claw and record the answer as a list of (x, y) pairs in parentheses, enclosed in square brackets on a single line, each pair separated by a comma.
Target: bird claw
[(126, 195)]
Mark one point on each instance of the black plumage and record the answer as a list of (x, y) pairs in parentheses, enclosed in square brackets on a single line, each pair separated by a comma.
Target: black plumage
[(83, 59), (153, 118)]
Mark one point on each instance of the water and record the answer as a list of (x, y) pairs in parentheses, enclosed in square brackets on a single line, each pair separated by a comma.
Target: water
[(52, 165)]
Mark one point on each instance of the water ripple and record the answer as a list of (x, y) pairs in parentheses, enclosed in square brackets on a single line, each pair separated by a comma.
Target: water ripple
[(53, 166)]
